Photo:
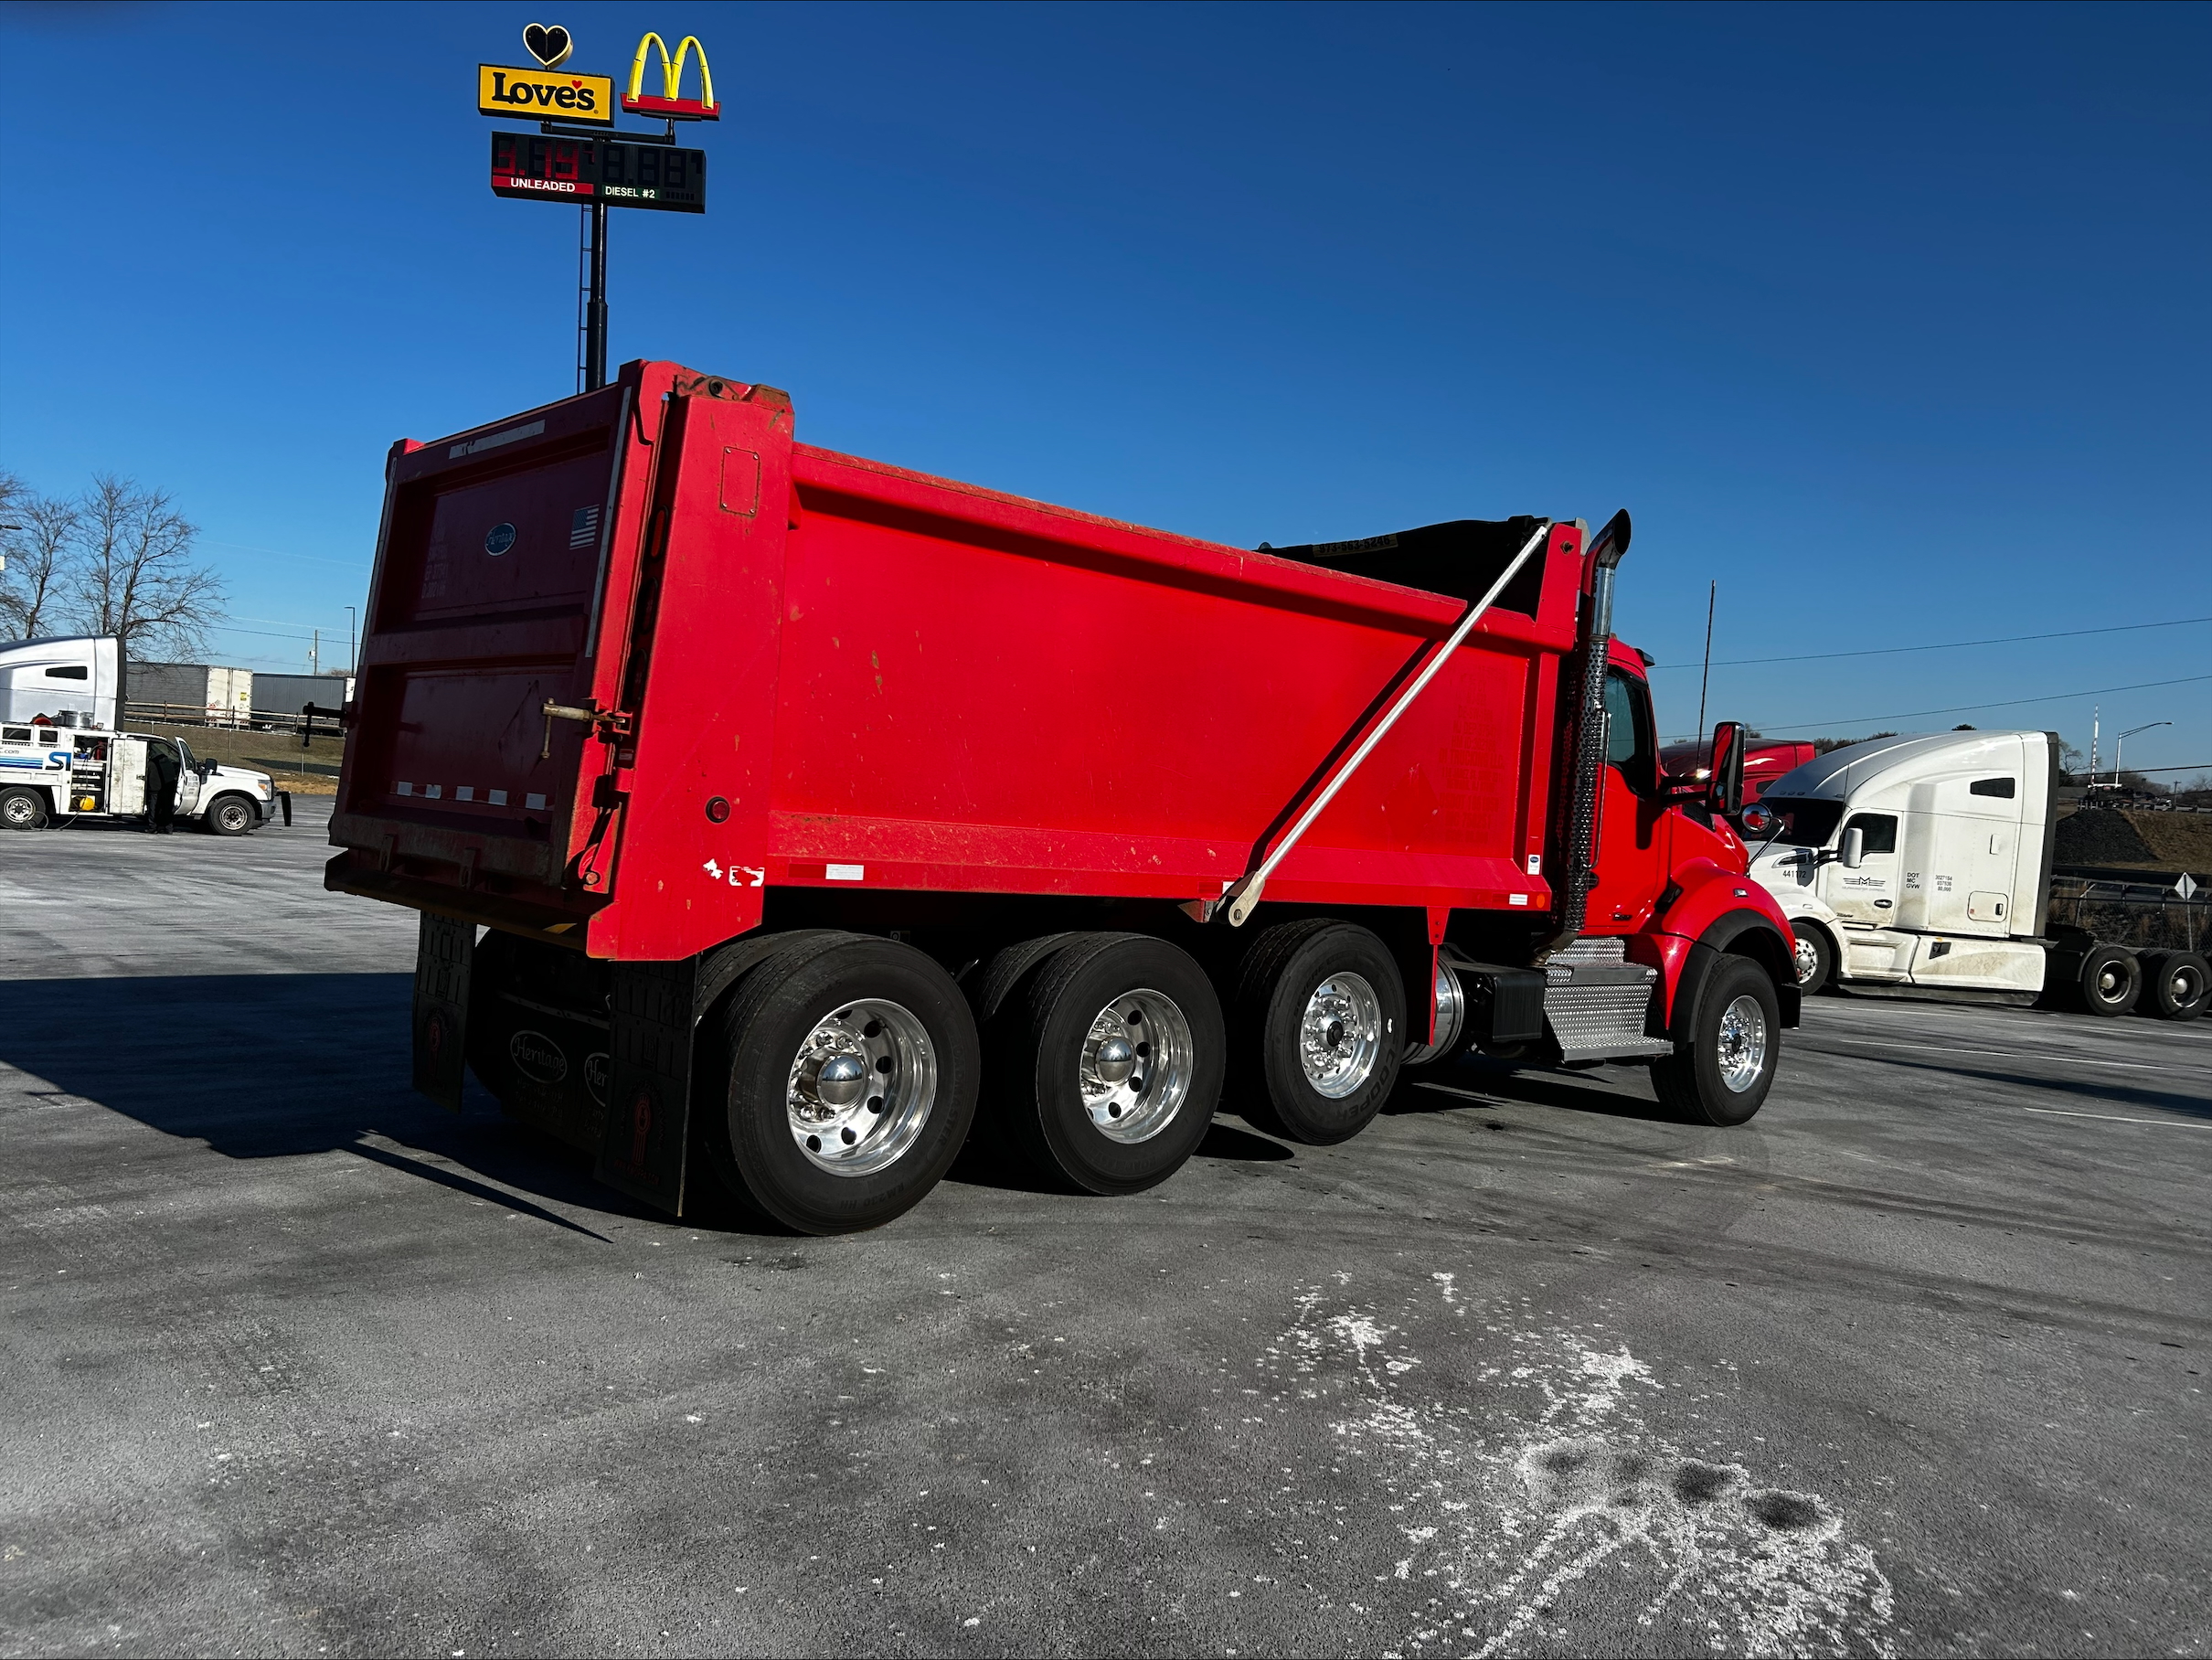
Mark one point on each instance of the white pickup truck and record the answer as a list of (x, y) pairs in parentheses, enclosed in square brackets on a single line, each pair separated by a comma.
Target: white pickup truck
[(58, 774), (1922, 867)]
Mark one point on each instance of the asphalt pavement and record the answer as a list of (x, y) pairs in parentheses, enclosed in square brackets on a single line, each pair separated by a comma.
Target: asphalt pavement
[(292, 1361)]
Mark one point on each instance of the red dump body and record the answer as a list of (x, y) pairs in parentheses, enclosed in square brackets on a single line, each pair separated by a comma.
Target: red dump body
[(820, 671)]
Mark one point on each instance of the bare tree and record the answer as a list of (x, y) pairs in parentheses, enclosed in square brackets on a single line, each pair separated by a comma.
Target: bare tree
[(130, 571), (37, 545)]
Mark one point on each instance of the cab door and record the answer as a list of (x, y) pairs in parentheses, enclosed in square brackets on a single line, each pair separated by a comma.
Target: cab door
[(1631, 856), (188, 781), (1868, 895)]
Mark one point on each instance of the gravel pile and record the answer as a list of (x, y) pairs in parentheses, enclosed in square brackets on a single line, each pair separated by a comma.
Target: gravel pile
[(2100, 835)]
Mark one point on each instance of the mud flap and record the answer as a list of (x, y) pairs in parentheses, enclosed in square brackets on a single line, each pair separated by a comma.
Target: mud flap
[(443, 950), (649, 1082)]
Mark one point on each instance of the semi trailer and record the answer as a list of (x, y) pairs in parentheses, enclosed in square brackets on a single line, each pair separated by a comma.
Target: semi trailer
[(1923, 866), (780, 819)]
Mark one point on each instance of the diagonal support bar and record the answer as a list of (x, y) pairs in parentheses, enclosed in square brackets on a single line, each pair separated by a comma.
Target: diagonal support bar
[(1244, 894)]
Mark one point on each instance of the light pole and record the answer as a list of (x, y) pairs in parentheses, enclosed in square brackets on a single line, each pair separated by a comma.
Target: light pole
[(2119, 743)]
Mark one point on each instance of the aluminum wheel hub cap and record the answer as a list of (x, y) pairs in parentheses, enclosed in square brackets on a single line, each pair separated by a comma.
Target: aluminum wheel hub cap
[(1807, 961), (861, 1088), (1743, 1044), (1340, 1036), (1136, 1066)]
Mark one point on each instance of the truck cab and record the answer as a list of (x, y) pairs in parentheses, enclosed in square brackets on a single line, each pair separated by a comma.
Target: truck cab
[(1916, 862), (55, 774)]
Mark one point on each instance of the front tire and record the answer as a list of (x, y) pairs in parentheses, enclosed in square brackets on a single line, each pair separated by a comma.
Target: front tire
[(1726, 1050), (22, 809), (1815, 958), (1105, 1059), (1320, 1029), (853, 1074), (229, 815)]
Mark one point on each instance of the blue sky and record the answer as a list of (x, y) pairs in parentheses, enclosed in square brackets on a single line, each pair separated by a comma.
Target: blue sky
[(1891, 319)]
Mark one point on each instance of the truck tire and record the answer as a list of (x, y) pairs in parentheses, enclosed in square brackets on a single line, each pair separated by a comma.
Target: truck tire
[(1725, 1049), (229, 815), (22, 809), (1104, 1060), (1815, 958), (2108, 980), (853, 1070), (1319, 1026), (2176, 985)]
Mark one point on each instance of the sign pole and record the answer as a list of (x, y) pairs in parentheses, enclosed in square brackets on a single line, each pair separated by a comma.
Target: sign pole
[(595, 315)]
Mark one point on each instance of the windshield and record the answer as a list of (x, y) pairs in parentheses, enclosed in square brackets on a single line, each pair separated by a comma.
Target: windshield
[(1803, 824)]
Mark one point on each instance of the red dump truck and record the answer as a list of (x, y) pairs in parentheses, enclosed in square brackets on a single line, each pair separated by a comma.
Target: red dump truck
[(786, 818)]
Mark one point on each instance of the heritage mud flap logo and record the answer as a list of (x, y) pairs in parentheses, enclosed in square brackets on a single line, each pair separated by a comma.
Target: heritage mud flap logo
[(546, 94), (537, 1057), (595, 1076)]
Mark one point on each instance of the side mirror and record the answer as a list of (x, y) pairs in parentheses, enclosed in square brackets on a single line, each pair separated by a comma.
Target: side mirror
[(1726, 771), (1853, 852), (1756, 819)]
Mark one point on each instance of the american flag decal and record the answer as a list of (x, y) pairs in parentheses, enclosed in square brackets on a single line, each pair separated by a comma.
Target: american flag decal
[(583, 527)]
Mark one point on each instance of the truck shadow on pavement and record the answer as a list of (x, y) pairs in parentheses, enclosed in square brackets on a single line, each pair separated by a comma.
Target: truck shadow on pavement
[(278, 1065), (1477, 1081), (283, 1066)]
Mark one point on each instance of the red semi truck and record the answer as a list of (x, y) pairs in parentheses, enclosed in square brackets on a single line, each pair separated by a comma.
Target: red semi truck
[(1764, 762), (786, 818)]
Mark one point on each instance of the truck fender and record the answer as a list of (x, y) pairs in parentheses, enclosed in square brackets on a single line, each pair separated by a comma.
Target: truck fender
[(1744, 933), (1724, 914)]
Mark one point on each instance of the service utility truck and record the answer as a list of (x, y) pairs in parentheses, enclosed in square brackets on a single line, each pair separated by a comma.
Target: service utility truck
[(781, 814), (1922, 867), (58, 775)]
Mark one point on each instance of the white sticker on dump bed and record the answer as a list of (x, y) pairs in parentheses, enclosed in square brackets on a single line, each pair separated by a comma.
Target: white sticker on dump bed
[(845, 873), (492, 440)]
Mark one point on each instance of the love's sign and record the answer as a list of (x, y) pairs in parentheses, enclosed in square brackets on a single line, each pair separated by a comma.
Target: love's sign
[(547, 94)]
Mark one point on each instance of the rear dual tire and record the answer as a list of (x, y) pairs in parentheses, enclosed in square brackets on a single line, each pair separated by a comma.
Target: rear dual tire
[(1104, 1057), (1319, 1031), (2104, 980), (2176, 985), (853, 1070)]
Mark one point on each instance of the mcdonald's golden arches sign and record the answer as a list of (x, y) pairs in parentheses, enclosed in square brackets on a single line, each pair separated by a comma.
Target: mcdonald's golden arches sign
[(670, 103)]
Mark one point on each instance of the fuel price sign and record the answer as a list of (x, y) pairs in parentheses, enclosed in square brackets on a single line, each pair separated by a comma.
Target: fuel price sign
[(603, 170)]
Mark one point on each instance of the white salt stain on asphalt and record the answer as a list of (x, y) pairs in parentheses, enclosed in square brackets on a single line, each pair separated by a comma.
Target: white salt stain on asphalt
[(1552, 1517)]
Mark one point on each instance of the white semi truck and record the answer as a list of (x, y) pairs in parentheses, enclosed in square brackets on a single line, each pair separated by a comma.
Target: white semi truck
[(52, 774), (1922, 867)]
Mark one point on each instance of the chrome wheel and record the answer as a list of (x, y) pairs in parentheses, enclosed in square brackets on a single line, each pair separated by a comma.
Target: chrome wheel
[(1808, 959), (1136, 1066), (861, 1088), (1743, 1044), (1340, 1036)]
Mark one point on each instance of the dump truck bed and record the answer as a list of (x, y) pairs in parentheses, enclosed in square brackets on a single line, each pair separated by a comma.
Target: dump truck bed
[(636, 660)]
